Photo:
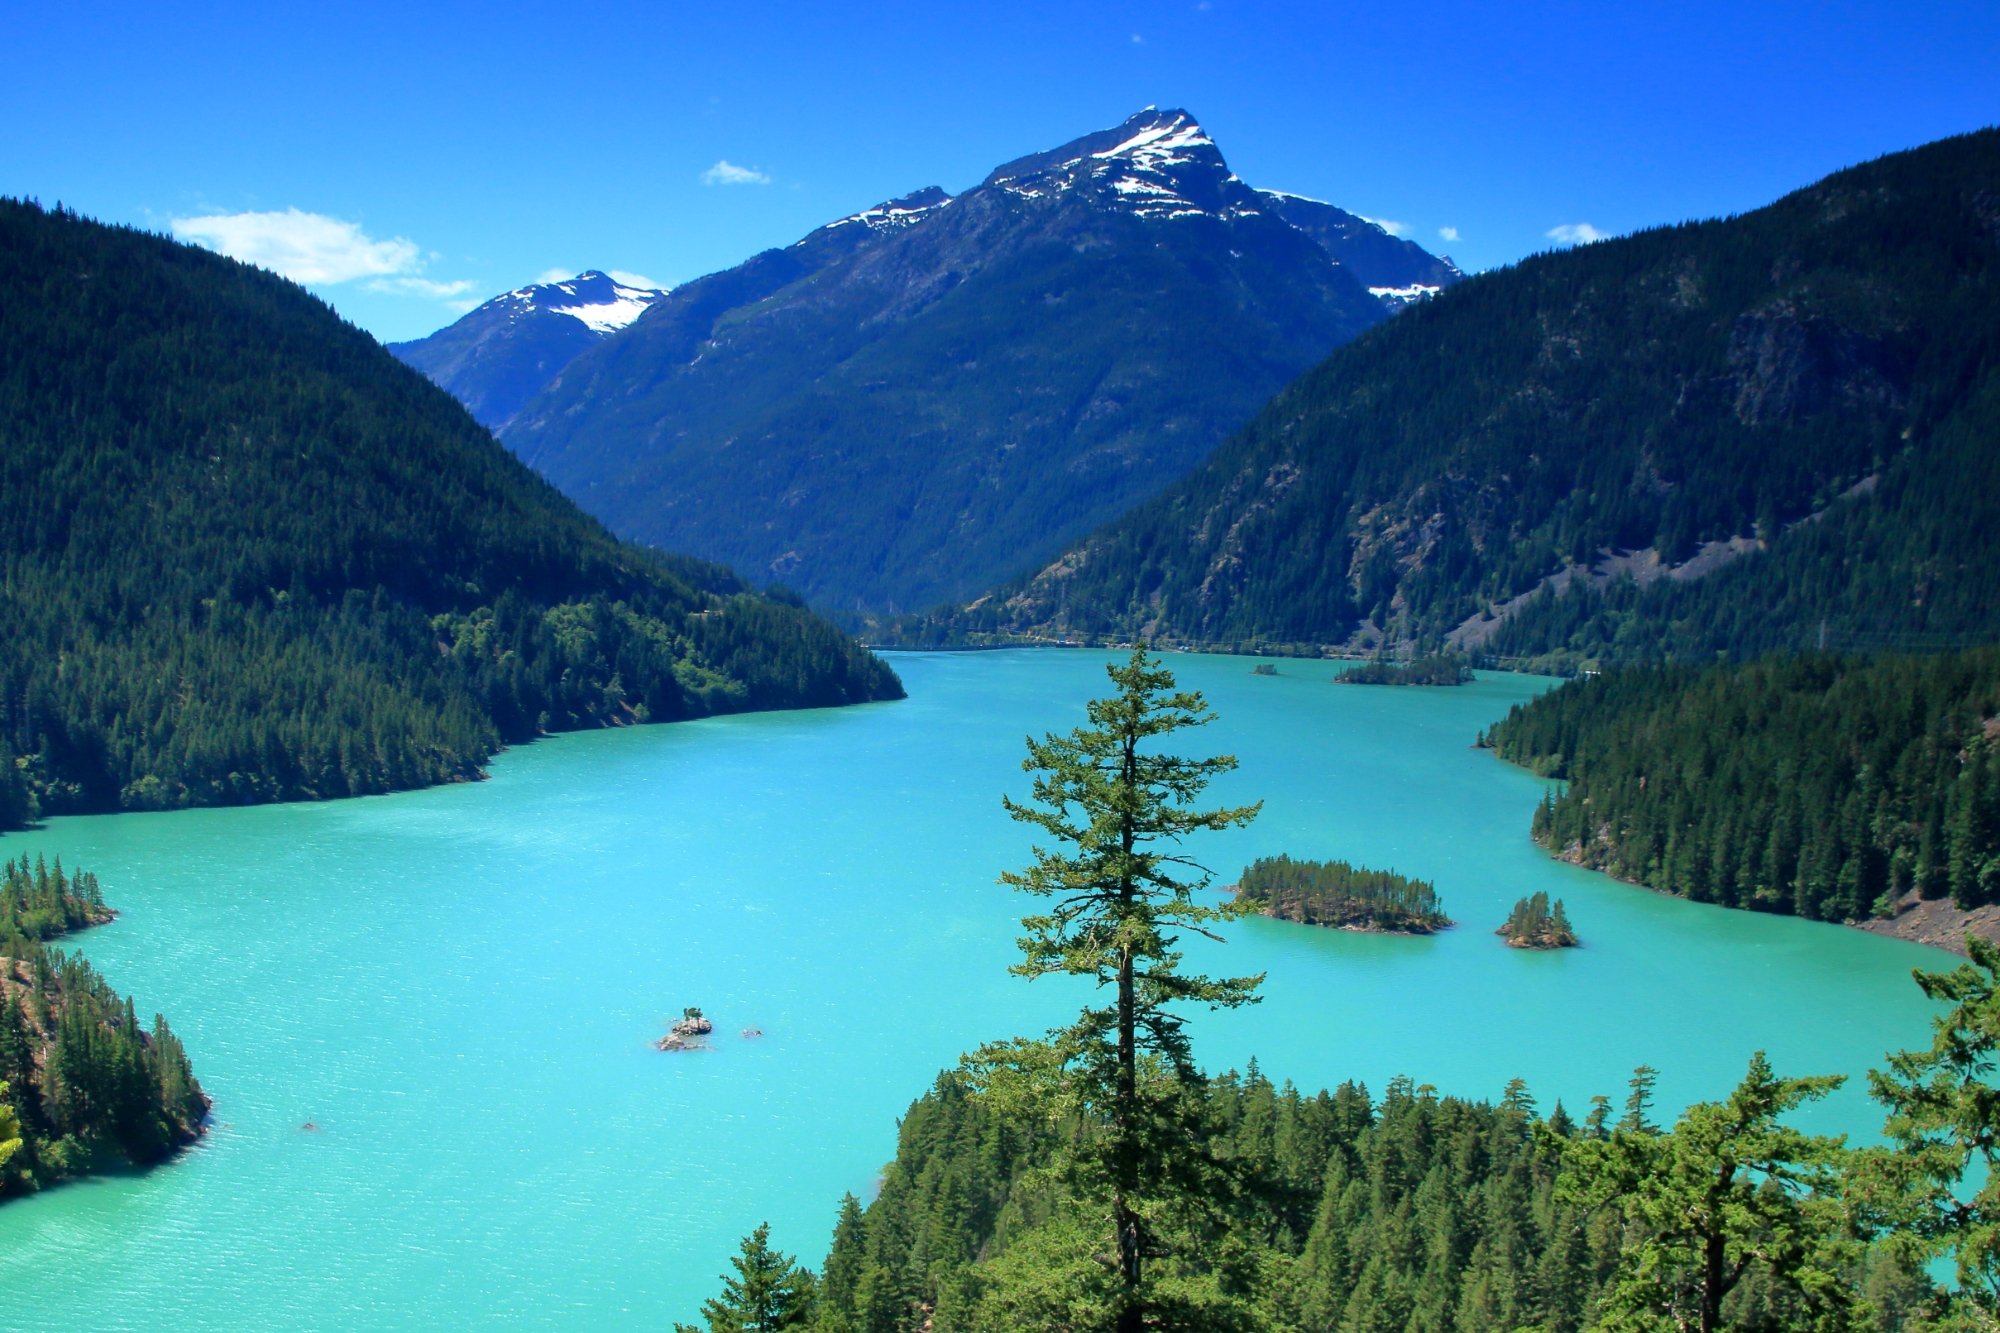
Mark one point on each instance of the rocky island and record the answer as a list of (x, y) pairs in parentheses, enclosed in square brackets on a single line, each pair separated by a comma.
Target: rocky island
[(687, 1032)]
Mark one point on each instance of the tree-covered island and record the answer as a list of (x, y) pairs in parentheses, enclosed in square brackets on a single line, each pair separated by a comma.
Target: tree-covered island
[(1347, 897), (1437, 669), (1536, 923), (82, 1085)]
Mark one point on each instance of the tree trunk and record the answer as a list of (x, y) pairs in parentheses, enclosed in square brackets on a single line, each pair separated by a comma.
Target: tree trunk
[(1125, 1116), (1715, 1279)]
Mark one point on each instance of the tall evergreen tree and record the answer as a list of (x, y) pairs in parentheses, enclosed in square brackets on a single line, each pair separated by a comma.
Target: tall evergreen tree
[(1942, 1176), (1120, 890), (768, 1293), (1729, 1194)]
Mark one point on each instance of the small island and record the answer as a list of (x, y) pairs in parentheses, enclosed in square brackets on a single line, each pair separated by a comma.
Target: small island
[(1343, 896), (1264, 669), (1438, 669), (1535, 923), (687, 1033)]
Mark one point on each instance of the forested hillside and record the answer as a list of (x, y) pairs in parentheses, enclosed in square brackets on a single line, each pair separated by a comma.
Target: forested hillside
[(1826, 786), (1341, 1211), (82, 1084), (1558, 458), (246, 555)]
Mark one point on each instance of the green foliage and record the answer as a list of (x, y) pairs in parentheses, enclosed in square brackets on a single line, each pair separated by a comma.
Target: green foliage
[(248, 556), (41, 902), (1416, 1211), (1344, 1213), (91, 1086), (1536, 923), (1941, 1177), (1334, 893), (1825, 786), (768, 1293), (1729, 1201), (1119, 890), (1821, 375), (1436, 669), (10, 1128)]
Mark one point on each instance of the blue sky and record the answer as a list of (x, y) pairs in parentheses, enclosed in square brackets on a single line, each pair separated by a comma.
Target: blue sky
[(405, 159)]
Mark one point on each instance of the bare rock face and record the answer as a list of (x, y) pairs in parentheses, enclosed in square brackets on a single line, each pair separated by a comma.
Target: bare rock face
[(1790, 365)]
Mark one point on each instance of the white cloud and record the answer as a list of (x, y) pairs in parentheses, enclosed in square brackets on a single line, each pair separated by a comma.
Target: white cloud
[(1447, 233), (549, 275), (1575, 233), (420, 287), (305, 247), (1137, 40), (1390, 225), (726, 172)]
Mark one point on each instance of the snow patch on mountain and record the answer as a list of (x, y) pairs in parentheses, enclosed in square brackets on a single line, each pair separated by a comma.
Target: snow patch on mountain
[(895, 214), (1397, 297), (610, 316), (598, 301), (1162, 145)]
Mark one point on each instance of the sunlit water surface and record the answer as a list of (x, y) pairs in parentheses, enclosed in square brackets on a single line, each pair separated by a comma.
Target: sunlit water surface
[(460, 988)]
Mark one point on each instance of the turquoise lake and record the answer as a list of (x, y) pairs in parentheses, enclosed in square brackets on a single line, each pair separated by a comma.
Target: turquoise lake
[(459, 988)]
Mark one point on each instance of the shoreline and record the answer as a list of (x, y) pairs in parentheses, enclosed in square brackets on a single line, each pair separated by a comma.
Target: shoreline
[(1932, 922), (1935, 922)]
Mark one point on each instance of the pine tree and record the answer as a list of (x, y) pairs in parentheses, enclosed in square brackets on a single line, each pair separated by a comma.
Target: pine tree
[(1942, 1177), (1728, 1194), (768, 1293), (1120, 891)]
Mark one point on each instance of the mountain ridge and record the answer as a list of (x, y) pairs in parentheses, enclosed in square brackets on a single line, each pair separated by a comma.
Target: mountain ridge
[(1804, 382), (913, 400)]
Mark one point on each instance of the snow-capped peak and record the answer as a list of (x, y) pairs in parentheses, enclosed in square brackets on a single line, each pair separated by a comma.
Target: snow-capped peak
[(1161, 145), (896, 214), (595, 299)]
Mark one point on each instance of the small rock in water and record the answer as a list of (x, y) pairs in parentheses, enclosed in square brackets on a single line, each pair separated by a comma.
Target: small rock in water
[(753, 1032), (675, 1041)]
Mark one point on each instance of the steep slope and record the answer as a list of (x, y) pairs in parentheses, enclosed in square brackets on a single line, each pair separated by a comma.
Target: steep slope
[(501, 354), (247, 555), (915, 401), (1561, 457), (1395, 271)]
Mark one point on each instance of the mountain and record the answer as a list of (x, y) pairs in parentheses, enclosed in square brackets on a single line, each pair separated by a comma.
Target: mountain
[(1763, 431), (915, 401), (1395, 271), (247, 555), (502, 353)]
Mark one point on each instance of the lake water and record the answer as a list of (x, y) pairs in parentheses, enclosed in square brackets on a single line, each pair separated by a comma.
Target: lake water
[(459, 988)]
